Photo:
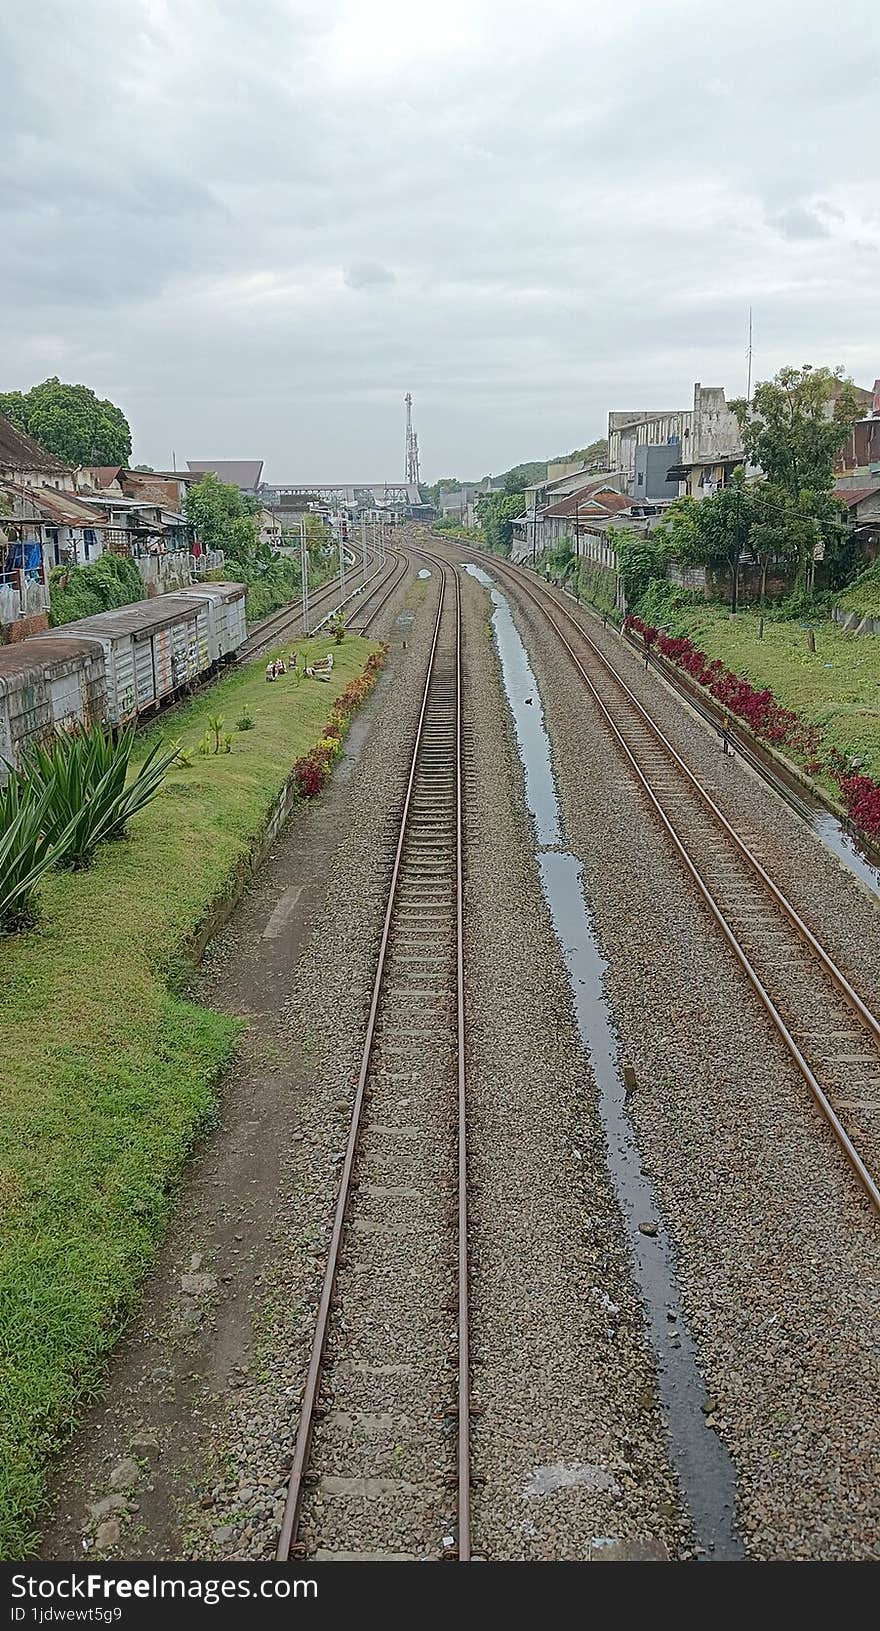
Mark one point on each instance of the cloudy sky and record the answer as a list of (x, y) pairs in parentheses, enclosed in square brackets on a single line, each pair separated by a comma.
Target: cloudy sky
[(256, 223)]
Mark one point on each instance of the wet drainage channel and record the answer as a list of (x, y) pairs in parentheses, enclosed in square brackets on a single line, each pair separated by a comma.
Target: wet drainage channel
[(702, 1464)]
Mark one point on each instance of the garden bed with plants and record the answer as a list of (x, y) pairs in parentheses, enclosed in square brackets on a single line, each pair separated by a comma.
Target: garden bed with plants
[(108, 1073), (819, 708)]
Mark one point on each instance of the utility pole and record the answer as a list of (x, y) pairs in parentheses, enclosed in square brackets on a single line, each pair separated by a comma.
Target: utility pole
[(304, 573), (341, 567), (749, 384), (364, 546)]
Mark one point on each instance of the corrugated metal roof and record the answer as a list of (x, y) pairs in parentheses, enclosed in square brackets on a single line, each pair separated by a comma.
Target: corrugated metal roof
[(853, 495), (19, 451), (66, 508)]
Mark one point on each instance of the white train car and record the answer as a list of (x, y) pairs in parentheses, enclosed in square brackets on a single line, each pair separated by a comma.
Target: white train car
[(47, 683), (227, 623)]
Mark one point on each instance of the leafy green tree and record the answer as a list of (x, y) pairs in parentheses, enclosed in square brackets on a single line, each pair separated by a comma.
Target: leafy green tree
[(222, 517), (710, 531), (642, 560), (448, 484), (495, 514), (71, 422), (796, 425)]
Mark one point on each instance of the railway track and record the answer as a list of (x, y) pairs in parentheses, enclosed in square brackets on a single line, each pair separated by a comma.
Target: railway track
[(378, 598), (381, 1462), (827, 1029), (281, 625)]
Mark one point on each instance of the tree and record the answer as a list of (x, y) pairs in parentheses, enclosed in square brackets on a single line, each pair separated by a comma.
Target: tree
[(495, 514), (222, 517), (641, 560), (711, 531), (71, 422), (796, 425), (794, 429)]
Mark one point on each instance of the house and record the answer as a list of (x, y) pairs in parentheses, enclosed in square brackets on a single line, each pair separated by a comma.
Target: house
[(166, 487), (458, 505), (100, 478), (73, 529), (155, 538), (700, 446), (24, 569), (269, 528), (860, 453), (23, 460), (244, 473), (578, 508)]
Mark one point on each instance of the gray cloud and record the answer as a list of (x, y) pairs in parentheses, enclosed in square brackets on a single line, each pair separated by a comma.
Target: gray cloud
[(577, 216), (799, 221), (367, 275)]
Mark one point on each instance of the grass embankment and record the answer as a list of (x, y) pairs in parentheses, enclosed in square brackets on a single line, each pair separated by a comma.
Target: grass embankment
[(106, 1075), (837, 687)]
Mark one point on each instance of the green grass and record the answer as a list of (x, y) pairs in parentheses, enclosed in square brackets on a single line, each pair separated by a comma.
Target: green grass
[(837, 688), (107, 1075), (863, 594)]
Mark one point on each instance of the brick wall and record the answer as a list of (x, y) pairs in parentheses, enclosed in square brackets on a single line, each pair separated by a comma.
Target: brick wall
[(24, 626)]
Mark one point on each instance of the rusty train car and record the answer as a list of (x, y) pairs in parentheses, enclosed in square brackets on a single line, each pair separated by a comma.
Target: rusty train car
[(117, 666)]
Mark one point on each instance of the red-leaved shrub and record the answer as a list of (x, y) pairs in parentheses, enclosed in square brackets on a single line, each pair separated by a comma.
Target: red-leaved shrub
[(759, 709), (311, 770)]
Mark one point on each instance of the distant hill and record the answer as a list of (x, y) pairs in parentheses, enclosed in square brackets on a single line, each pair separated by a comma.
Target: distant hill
[(520, 476), (523, 475)]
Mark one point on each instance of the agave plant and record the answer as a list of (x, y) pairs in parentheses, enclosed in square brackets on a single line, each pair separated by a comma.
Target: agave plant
[(83, 777), (24, 852)]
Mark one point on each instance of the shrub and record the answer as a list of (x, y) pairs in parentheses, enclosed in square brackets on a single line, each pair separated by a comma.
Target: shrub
[(311, 771), (80, 782), (83, 591), (244, 722), (24, 853)]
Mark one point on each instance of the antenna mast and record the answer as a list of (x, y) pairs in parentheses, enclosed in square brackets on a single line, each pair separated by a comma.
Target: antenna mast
[(749, 385), (412, 445)]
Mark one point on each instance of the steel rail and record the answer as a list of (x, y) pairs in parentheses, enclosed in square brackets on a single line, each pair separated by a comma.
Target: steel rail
[(464, 1383), (464, 1386), (263, 637), (826, 962), (308, 1410), (395, 584)]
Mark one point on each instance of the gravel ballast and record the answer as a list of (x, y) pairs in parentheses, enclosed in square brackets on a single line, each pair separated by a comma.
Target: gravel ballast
[(777, 1250), (569, 1453)]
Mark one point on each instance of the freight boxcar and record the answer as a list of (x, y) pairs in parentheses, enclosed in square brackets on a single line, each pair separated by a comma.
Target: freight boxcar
[(48, 682), (227, 625), (153, 648)]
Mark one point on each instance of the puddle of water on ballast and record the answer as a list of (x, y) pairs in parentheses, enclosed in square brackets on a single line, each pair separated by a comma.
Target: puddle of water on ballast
[(701, 1461)]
